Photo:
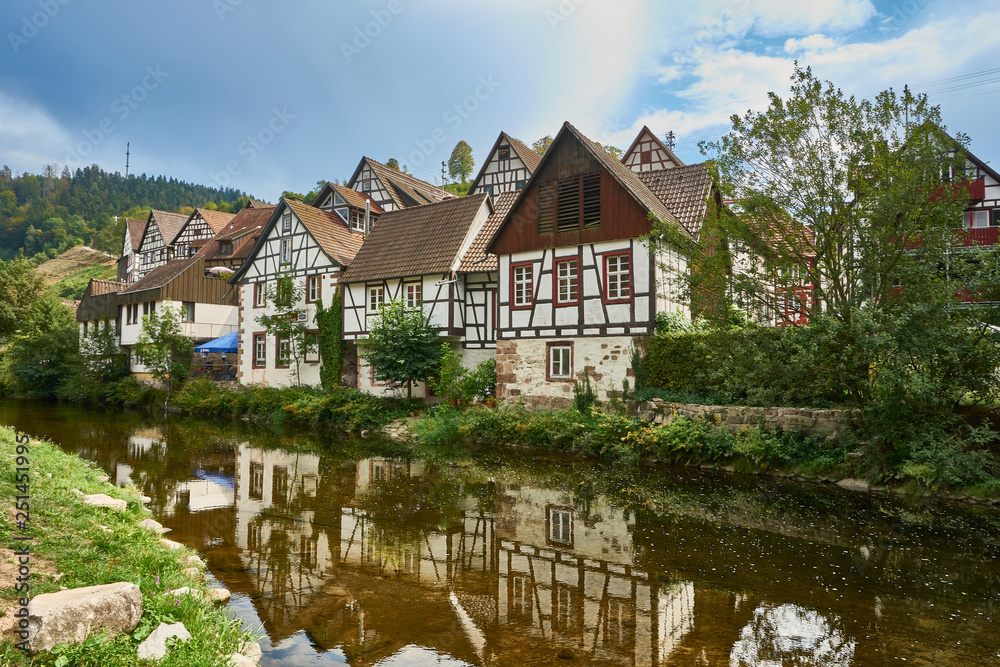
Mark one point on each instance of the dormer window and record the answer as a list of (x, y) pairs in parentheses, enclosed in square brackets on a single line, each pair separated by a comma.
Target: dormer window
[(226, 248)]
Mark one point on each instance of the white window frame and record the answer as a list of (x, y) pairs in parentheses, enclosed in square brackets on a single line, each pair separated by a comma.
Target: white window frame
[(376, 298), (522, 286), (314, 288), (560, 361), (619, 280), (286, 251), (567, 281), (260, 350), (561, 525), (286, 223)]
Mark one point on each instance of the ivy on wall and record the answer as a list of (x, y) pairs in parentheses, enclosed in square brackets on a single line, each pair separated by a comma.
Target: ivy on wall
[(330, 321)]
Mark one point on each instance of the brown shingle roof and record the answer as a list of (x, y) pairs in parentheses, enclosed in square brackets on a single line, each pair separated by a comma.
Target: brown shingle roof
[(355, 198), (136, 228), (401, 184), (476, 258), (416, 241), (328, 230), (215, 219), (253, 203), (529, 156), (683, 190), (249, 221), (98, 287), (161, 275), (170, 224)]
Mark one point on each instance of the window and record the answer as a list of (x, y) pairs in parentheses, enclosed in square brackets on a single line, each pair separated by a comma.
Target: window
[(414, 295), (259, 350), (995, 217), (314, 288), (570, 204), (308, 548), (561, 525), (504, 153), (567, 282), (259, 295), (187, 311), (521, 285), (256, 481), (279, 484), (357, 221), (286, 223), (312, 347), (366, 186), (286, 251), (617, 277), (282, 351), (489, 190), (560, 365), (376, 297), (225, 248), (519, 185)]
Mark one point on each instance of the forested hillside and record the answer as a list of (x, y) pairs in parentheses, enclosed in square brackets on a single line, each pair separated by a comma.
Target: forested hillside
[(45, 214)]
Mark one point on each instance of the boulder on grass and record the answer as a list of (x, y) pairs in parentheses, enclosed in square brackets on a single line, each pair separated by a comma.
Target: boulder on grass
[(70, 615), (155, 645), (104, 500)]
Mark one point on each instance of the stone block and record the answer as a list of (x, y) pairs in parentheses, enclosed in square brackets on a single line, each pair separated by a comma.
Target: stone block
[(219, 595), (155, 645), (104, 500), (70, 615)]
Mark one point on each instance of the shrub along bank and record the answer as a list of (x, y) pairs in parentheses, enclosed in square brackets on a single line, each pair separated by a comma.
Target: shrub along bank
[(76, 545)]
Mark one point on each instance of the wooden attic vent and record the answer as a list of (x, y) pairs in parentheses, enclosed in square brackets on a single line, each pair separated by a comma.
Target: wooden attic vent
[(570, 204)]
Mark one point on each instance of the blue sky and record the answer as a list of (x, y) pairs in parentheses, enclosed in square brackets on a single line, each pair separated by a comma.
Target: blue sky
[(267, 97)]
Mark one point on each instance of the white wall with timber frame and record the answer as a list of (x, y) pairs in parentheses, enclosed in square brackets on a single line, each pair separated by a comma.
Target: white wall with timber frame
[(369, 183), (648, 153), (152, 252), (504, 171), (195, 229)]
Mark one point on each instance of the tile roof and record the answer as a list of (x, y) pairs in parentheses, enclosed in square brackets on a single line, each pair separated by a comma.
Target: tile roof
[(215, 219), (98, 287), (253, 203), (683, 190), (662, 146), (401, 184), (416, 241), (476, 258), (329, 231), (136, 228), (355, 198), (529, 156), (247, 222), (170, 224), (161, 275)]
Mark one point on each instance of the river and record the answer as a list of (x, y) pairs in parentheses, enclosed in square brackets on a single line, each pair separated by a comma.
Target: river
[(343, 551)]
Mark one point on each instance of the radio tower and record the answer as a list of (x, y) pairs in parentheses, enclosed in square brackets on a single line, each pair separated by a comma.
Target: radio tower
[(671, 138), (128, 152)]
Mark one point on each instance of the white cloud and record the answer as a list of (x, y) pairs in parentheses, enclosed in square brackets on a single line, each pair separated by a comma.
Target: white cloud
[(30, 137), (811, 44), (794, 17)]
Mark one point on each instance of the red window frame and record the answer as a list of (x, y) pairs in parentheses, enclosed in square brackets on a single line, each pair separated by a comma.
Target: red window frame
[(419, 286), (513, 286), (555, 281), (631, 266), (548, 361), (253, 352)]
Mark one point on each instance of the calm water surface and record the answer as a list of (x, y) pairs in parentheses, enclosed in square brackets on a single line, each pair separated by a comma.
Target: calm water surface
[(350, 552)]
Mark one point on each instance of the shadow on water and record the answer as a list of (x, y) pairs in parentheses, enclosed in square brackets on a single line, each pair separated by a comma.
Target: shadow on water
[(359, 552)]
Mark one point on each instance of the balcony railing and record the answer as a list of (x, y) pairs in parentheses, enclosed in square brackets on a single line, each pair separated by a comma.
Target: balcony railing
[(980, 236)]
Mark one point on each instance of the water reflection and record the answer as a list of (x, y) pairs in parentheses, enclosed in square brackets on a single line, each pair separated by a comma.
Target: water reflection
[(346, 553)]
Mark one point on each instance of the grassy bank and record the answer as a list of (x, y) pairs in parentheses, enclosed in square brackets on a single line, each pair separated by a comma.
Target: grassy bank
[(77, 545)]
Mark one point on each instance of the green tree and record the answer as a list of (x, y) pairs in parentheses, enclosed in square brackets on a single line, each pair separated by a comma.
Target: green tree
[(20, 287), (402, 345), (393, 164), (96, 367), (40, 355), (287, 321), (847, 195), (542, 144), (163, 349), (460, 164)]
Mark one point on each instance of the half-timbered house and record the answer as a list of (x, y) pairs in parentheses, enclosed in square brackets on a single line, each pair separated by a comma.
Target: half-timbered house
[(507, 168), (390, 189), (227, 250), (127, 264), (421, 255), (983, 214), (648, 153), (201, 226), (155, 248), (357, 210), (577, 283), (311, 246)]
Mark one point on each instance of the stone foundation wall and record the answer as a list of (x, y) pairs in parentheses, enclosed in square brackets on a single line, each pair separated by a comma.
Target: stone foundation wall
[(831, 424)]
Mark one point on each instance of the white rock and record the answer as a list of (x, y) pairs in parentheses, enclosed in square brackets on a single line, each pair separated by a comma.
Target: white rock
[(103, 478), (170, 544), (220, 595), (105, 529), (252, 651), (104, 500), (191, 573), (155, 645), (854, 484), (239, 660), (194, 560), (68, 616), (185, 590), (154, 526), (77, 492)]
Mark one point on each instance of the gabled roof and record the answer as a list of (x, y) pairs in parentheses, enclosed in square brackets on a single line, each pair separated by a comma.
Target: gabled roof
[(136, 230), (245, 223), (216, 219), (170, 224), (683, 190), (417, 241), (982, 165), (329, 231), (352, 197), (656, 140), (98, 287), (161, 275), (405, 190), (253, 203), (627, 178), (475, 258), (528, 156)]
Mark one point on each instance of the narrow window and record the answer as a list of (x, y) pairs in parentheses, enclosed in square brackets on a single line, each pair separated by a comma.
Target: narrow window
[(568, 205), (376, 297), (314, 289), (414, 295), (521, 284), (560, 362), (312, 347), (286, 223), (561, 525), (282, 351), (567, 283), (592, 201), (995, 217), (546, 200), (618, 277), (259, 350), (286, 251), (259, 295), (188, 311), (504, 153)]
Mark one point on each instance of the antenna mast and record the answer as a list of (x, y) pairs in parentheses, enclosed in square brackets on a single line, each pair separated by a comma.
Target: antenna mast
[(671, 138), (128, 152)]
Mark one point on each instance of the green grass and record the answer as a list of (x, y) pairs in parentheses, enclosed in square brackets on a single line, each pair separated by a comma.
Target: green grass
[(67, 535), (75, 284)]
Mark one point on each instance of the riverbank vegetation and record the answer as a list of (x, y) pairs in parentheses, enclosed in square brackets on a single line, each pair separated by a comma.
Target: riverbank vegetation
[(76, 545)]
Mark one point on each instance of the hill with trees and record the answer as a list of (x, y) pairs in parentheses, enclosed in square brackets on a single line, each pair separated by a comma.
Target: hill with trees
[(45, 214)]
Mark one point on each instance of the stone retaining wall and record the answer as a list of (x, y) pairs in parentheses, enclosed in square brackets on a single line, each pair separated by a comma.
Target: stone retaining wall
[(832, 424)]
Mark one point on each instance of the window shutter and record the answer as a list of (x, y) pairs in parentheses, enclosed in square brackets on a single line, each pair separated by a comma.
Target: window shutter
[(545, 205), (592, 201), (568, 213)]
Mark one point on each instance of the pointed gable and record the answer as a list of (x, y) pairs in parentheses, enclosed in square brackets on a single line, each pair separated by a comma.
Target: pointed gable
[(392, 189), (507, 168), (648, 153), (579, 194)]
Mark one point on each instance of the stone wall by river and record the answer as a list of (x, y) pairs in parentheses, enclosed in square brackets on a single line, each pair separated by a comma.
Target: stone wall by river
[(833, 424)]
